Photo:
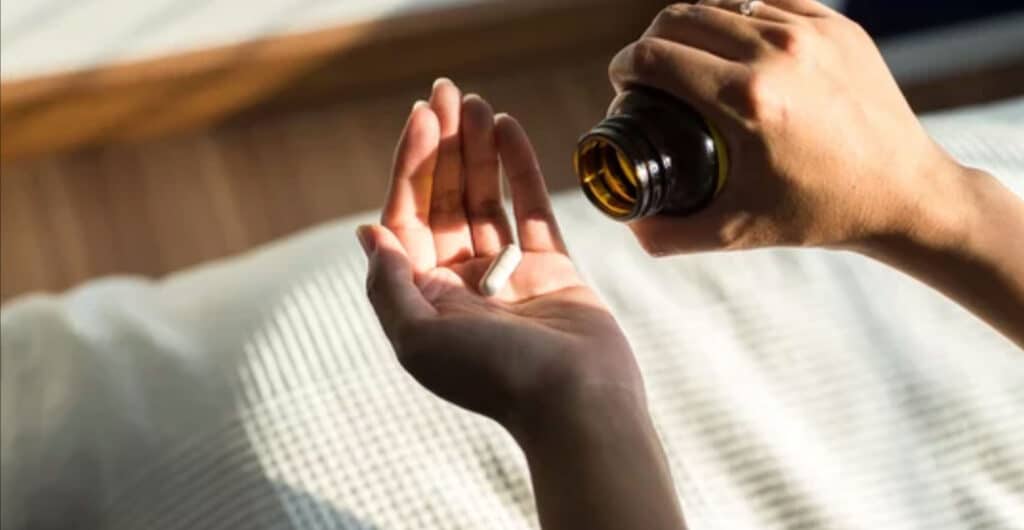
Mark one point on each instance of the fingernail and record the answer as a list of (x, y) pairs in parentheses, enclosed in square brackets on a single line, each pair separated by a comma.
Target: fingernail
[(441, 81), (365, 239), (420, 104)]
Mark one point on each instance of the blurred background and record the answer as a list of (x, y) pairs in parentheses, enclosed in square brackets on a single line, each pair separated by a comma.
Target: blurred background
[(144, 137)]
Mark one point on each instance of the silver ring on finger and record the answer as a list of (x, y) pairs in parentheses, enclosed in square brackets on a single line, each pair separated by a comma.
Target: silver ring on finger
[(748, 7)]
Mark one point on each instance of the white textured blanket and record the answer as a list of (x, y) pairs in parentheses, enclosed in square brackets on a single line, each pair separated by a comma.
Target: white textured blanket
[(794, 389)]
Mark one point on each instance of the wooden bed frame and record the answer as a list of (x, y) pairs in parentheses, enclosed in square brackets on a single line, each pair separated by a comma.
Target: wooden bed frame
[(147, 99)]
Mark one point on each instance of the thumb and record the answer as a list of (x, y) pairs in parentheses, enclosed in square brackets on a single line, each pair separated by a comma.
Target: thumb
[(390, 284)]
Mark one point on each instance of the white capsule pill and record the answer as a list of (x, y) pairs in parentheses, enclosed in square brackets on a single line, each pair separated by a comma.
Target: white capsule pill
[(501, 270)]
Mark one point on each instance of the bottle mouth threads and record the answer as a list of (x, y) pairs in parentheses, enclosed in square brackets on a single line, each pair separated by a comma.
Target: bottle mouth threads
[(608, 176), (618, 171)]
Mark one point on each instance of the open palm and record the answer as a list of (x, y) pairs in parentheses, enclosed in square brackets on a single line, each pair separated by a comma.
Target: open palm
[(442, 225)]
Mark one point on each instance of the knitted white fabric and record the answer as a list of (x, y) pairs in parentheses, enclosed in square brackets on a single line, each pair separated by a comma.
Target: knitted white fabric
[(793, 389)]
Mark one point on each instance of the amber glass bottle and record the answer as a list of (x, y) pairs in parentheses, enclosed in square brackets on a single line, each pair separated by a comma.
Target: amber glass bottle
[(652, 155)]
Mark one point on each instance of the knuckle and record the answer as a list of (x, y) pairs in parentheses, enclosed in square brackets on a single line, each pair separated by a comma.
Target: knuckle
[(673, 13), (646, 59), (652, 246), (487, 210), (732, 238), (675, 18), (446, 201), (664, 16), (855, 27), (757, 87), (536, 213), (481, 164), (855, 30), (790, 40), (758, 100), (652, 249), (374, 285)]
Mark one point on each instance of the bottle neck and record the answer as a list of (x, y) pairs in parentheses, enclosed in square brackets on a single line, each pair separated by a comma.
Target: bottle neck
[(645, 170)]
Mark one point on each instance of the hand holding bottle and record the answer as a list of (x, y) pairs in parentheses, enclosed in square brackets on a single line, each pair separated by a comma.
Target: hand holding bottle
[(824, 149)]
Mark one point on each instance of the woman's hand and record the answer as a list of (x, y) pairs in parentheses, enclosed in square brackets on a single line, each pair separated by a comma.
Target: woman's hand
[(825, 150), (544, 357), (539, 341)]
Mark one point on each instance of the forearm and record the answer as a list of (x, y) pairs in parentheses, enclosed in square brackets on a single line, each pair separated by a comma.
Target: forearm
[(600, 467), (969, 245)]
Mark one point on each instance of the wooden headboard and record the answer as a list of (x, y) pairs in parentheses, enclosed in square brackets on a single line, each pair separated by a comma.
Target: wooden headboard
[(147, 99)]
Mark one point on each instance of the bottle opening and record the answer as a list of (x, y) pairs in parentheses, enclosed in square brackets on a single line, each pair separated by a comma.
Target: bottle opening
[(608, 176)]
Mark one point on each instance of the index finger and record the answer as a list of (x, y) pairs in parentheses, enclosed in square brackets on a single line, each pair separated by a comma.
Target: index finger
[(407, 207), (390, 283), (691, 74)]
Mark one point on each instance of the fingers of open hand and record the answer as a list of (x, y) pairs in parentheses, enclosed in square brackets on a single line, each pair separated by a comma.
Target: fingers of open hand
[(538, 230), (390, 283), (484, 207), (406, 210), (445, 202), (453, 241)]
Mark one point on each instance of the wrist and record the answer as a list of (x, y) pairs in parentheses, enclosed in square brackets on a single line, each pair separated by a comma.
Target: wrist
[(936, 214), (598, 447), (580, 415), (968, 247)]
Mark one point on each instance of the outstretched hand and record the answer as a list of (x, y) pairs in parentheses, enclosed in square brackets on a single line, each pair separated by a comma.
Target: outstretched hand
[(546, 337)]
